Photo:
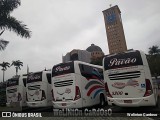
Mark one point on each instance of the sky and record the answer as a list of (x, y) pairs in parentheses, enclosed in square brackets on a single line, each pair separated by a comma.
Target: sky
[(59, 26)]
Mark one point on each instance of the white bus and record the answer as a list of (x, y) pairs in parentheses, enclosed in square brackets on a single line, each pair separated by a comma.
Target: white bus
[(39, 89), (16, 91), (128, 80), (77, 84)]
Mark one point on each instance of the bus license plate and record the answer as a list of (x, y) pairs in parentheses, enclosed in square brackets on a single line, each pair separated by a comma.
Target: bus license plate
[(127, 101), (64, 104)]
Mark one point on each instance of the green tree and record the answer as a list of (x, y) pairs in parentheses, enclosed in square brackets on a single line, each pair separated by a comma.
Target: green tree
[(17, 65), (10, 23), (4, 66), (97, 61), (154, 60), (154, 50)]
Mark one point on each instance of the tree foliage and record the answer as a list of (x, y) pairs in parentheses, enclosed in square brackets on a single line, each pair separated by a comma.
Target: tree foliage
[(10, 23), (154, 50), (17, 65), (3, 44), (97, 61), (154, 60), (4, 66)]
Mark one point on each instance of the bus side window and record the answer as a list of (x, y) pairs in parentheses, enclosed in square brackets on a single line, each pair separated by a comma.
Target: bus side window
[(101, 73), (24, 81), (85, 70), (48, 78), (82, 67), (88, 69)]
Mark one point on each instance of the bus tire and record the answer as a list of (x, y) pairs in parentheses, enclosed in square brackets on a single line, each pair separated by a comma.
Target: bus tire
[(102, 100)]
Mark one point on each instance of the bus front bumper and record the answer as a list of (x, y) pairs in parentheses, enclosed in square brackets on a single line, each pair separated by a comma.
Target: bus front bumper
[(14, 104), (67, 104), (37, 104), (132, 102)]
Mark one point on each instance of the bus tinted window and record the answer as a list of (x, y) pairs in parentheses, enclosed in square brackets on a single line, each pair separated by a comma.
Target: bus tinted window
[(24, 81), (48, 78), (13, 82), (89, 71), (63, 68), (34, 77), (3, 85), (123, 60)]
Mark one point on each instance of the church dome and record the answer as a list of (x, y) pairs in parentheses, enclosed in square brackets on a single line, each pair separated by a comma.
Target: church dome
[(93, 48)]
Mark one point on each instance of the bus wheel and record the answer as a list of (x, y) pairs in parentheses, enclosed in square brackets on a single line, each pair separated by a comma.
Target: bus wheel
[(102, 100)]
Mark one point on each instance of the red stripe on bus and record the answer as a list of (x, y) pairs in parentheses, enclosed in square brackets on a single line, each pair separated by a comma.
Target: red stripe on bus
[(93, 88)]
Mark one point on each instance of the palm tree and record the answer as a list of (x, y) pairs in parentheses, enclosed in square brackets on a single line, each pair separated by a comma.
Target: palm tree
[(4, 66), (154, 50), (10, 23), (17, 65), (3, 43)]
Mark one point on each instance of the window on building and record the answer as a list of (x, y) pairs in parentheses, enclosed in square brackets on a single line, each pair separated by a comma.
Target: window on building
[(74, 56)]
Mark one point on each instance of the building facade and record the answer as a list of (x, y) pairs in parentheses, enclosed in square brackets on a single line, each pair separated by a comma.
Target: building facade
[(114, 30), (90, 55), (96, 51), (75, 54)]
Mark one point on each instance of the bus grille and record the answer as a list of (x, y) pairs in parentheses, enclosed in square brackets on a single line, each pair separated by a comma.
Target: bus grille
[(12, 90), (125, 75), (35, 87), (63, 83)]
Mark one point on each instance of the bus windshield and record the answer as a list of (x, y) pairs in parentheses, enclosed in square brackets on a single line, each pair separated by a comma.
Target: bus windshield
[(12, 82), (63, 68), (34, 77), (122, 60)]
